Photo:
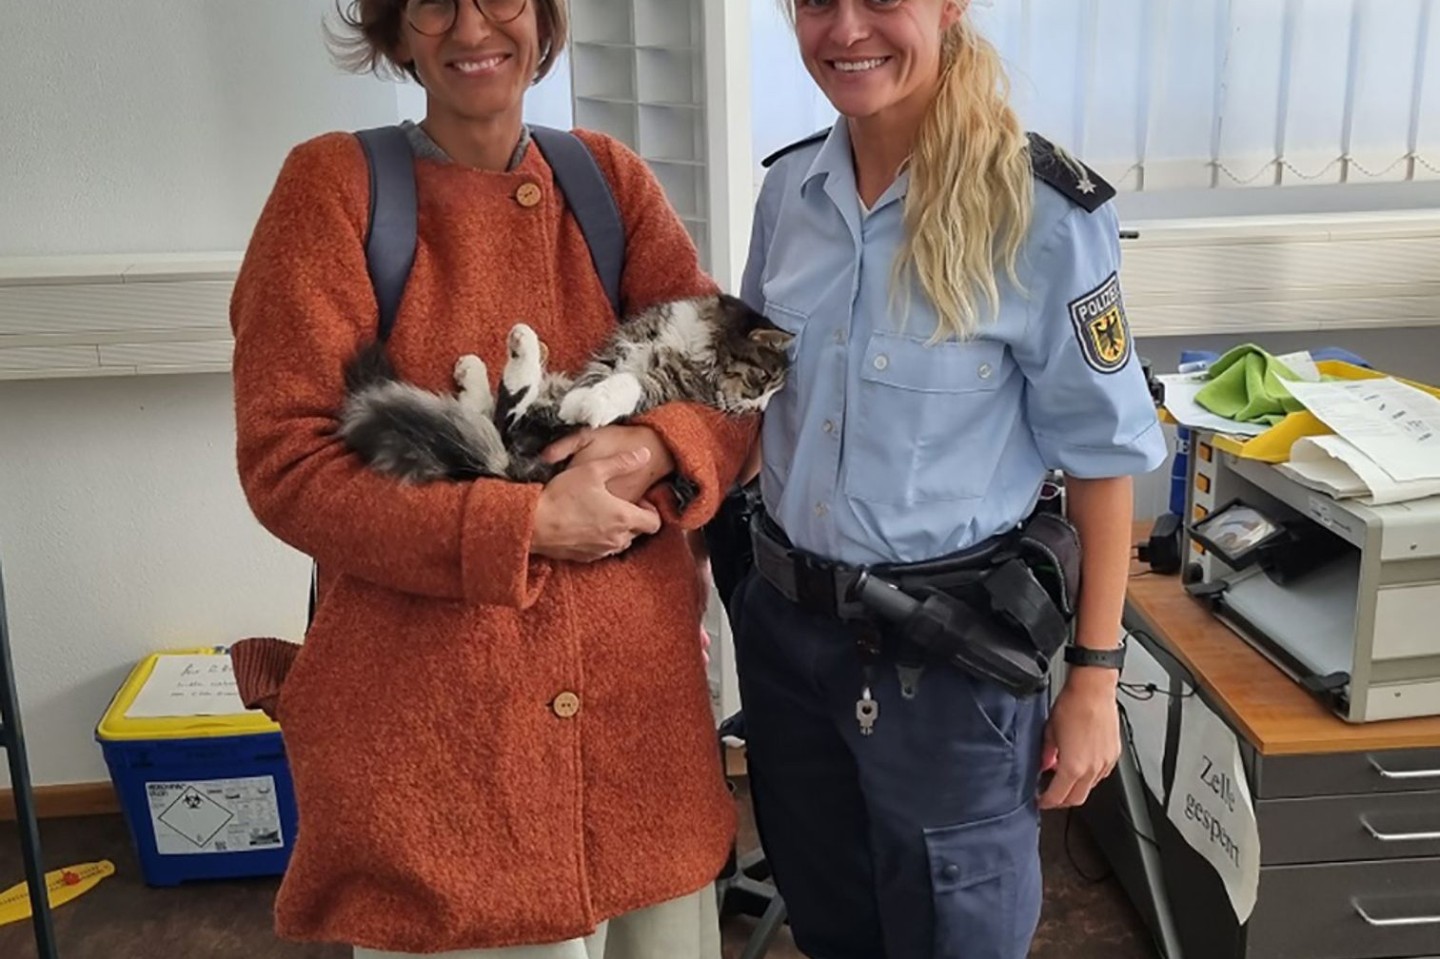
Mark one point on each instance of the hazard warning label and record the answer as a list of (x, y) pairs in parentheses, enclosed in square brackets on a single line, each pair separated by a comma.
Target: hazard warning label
[(215, 816)]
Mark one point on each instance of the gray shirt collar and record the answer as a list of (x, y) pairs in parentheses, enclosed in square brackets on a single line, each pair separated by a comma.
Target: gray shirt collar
[(427, 149)]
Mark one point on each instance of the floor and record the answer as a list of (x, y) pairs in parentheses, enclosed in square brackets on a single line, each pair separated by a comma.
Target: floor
[(1084, 917)]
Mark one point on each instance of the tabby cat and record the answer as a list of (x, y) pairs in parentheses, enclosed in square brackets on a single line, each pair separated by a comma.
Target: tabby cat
[(711, 350)]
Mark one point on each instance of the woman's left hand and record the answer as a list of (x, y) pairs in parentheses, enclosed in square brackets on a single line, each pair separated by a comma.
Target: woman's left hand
[(1082, 739), (592, 444)]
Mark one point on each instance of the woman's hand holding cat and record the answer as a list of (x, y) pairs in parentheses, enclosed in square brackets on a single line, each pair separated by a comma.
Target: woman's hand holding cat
[(578, 518), (587, 446)]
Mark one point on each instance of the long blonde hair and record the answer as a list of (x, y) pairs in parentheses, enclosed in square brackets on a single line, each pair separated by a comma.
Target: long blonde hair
[(971, 187)]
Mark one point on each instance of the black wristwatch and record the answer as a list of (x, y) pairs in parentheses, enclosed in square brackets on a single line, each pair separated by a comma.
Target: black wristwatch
[(1078, 655)]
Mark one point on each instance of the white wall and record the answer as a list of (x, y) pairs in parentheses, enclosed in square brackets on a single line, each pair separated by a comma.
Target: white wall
[(143, 126)]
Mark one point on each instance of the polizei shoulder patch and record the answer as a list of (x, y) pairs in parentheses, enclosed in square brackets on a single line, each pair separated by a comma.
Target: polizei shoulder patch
[(1101, 326)]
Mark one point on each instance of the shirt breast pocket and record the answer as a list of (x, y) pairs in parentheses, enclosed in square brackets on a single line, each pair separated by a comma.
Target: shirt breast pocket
[(790, 320), (923, 428)]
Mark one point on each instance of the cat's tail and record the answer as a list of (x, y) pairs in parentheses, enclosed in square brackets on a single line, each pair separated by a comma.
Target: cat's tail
[(420, 436), (370, 366)]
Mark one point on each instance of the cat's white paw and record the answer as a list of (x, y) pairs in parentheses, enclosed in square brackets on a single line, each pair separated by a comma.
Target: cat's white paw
[(473, 380), (523, 342), (611, 399), (572, 406), (523, 369), (470, 372)]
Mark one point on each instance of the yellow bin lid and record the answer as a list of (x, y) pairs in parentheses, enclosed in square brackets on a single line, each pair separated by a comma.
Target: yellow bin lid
[(189, 696)]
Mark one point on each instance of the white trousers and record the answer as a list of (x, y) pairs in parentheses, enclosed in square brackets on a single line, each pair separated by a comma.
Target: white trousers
[(684, 928)]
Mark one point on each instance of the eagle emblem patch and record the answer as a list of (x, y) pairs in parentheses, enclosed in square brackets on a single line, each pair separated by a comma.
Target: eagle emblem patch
[(1101, 327)]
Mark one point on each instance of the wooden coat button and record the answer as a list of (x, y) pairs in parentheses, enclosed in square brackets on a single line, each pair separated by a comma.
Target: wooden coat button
[(566, 705), (528, 195)]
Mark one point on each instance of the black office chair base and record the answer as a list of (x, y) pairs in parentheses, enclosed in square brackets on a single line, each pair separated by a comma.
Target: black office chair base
[(744, 887)]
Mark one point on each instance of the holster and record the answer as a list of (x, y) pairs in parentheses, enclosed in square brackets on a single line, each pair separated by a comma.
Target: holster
[(727, 539), (1001, 609), (1047, 549)]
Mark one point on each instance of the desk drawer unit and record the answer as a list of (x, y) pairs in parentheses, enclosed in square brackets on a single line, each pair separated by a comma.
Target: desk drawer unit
[(1340, 774), (1350, 856), (1350, 829), (1357, 910)]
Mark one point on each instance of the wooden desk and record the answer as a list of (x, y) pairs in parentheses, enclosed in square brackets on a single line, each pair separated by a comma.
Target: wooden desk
[(1348, 814), (1273, 712)]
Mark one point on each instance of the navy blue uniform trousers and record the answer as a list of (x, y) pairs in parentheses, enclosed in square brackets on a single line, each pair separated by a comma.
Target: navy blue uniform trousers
[(919, 841)]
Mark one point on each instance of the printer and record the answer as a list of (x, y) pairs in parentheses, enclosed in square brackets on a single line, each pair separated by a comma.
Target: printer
[(1342, 596)]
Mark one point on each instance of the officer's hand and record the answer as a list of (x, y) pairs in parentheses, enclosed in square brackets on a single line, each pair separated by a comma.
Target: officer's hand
[(1083, 736), (587, 446), (579, 519)]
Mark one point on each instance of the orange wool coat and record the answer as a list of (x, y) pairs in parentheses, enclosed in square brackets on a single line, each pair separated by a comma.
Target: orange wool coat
[(488, 747)]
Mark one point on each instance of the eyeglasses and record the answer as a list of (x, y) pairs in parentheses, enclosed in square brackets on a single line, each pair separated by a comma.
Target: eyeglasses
[(435, 18)]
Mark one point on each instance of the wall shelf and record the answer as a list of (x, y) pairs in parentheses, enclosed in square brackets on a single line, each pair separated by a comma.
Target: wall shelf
[(640, 75), (96, 316), (616, 45)]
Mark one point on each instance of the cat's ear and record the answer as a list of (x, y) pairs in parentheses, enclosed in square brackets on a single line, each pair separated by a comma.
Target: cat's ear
[(771, 336), (741, 318), (544, 354)]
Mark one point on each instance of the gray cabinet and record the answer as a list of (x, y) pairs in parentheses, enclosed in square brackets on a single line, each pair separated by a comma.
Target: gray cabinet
[(1349, 834)]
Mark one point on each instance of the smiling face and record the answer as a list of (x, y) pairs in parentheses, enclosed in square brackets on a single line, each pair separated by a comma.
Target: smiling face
[(870, 57), (477, 70)]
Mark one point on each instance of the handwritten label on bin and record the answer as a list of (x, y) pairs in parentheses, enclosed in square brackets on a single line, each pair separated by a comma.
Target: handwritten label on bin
[(188, 685)]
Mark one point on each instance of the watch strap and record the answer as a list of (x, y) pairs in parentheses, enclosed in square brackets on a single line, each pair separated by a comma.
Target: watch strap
[(1084, 656)]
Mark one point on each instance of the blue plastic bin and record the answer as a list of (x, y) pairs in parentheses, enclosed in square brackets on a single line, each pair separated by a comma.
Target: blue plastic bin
[(205, 797)]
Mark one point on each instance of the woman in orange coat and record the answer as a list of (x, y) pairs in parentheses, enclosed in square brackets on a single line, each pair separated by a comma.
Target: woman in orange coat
[(500, 734)]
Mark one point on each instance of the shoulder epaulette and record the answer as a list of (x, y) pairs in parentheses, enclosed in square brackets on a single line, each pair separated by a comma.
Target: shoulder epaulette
[(1083, 187), (790, 148)]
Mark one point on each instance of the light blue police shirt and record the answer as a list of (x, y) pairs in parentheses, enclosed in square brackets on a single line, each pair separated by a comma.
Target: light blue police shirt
[(883, 448)]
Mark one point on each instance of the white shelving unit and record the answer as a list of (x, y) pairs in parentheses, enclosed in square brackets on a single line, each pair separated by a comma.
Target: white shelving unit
[(658, 75), (671, 80)]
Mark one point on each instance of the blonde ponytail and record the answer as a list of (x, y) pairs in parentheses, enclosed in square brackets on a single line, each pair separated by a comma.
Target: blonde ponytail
[(970, 195)]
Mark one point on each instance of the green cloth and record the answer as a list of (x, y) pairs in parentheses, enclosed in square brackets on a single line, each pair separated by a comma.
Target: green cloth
[(1248, 385)]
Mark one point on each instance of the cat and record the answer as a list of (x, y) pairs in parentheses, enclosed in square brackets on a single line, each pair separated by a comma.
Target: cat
[(711, 350)]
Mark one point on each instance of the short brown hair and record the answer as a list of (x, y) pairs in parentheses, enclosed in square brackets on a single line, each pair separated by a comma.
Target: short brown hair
[(370, 33)]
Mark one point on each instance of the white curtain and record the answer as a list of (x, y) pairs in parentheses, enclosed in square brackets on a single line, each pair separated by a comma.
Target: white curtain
[(1174, 95)]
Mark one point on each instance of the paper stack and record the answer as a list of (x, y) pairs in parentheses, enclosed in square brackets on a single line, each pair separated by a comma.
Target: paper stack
[(1386, 447)]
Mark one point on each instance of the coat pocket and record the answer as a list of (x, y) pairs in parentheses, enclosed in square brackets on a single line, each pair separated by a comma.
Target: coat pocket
[(985, 882)]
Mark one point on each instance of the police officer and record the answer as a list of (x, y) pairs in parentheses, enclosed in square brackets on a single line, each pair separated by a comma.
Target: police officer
[(952, 285)]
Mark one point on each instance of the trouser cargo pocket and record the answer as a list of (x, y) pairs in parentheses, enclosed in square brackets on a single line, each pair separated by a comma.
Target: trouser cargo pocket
[(985, 881)]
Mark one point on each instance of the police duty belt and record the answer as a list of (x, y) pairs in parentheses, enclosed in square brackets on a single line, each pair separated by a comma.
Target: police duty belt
[(1001, 609)]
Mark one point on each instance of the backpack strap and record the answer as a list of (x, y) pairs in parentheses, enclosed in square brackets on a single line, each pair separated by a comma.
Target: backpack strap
[(591, 202), (390, 233)]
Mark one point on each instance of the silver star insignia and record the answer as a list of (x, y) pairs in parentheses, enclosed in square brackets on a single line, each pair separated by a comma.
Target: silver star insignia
[(1086, 186)]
